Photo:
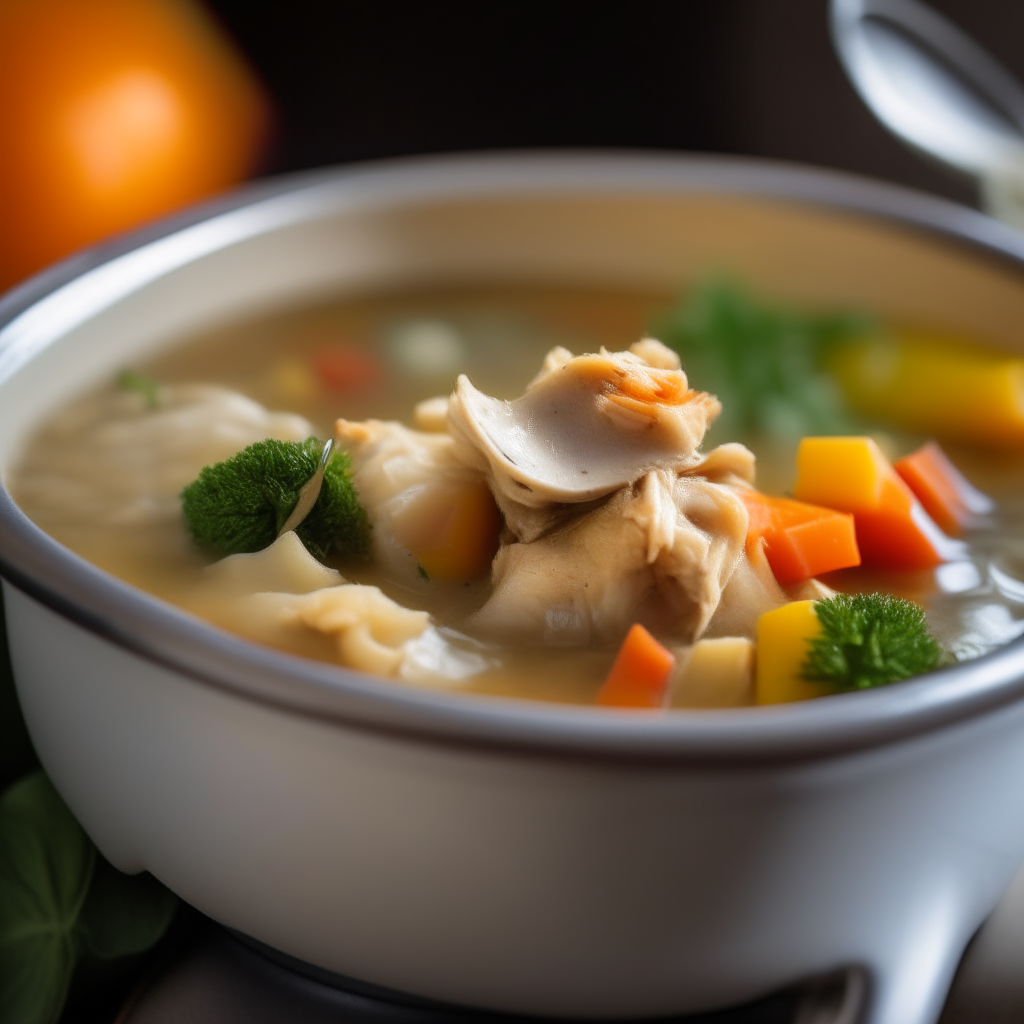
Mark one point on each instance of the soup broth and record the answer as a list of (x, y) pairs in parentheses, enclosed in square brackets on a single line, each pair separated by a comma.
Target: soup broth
[(375, 358)]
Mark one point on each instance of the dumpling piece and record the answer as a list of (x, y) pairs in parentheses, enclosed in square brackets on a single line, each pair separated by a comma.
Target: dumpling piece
[(283, 596), (585, 427), (115, 461), (368, 628), (284, 566)]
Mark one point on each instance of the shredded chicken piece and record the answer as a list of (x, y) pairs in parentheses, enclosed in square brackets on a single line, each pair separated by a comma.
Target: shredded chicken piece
[(659, 552), (586, 426), (654, 353), (402, 476), (750, 591), (431, 415)]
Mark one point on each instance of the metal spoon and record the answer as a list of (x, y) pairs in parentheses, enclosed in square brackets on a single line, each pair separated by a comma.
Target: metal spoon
[(938, 91), (309, 492)]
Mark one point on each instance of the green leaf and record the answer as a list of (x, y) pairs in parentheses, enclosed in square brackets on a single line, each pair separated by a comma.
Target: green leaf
[(46, 865), (124, 914), (764, 362), (869, 640), (239, 505), (149, 389)]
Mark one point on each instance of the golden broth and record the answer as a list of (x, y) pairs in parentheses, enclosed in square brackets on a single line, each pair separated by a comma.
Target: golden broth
[(499, 337)]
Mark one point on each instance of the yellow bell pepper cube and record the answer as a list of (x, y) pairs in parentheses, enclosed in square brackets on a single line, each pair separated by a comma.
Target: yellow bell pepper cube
[(935, 384), (782, 636), (845, 473)]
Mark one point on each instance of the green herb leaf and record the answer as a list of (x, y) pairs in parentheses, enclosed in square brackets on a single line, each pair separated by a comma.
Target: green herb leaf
[(869, 640), (129, 380), (60, 899), (46, 865), (124, 914), (240, 504), (765, 363)]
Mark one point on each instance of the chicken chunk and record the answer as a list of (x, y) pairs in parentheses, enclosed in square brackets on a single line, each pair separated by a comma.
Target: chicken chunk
[(584, 428), (408, 481), (660, 552)]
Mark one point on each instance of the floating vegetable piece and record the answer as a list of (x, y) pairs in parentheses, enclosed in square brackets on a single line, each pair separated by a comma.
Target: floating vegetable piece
[(782, 638), (239, 505), (640, 675), (869, 640), (427, 348), (149, 389), (453, 532), (800, 540), (586, 427), (346, 368), (850, 474), (935, 384), (715, 673), (764, 362), (946, 494)]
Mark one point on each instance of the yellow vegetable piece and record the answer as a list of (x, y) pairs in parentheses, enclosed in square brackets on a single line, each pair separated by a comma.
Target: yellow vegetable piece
[(294, 381), (935, 384), (716, 673), (845, 473), (456, 537), (782, 636)]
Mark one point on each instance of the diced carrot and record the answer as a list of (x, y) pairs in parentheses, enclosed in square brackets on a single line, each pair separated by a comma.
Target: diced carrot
[(800, 540), (640, 676), (345, 368), (943, 385), (850, 474), (946, 494), (452, 532)]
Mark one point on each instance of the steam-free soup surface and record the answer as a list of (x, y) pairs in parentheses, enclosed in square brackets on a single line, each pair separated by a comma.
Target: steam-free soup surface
[(376, 358)]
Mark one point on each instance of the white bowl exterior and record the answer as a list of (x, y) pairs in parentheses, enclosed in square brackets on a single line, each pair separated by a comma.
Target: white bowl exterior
[(512, 879), (524, 883)]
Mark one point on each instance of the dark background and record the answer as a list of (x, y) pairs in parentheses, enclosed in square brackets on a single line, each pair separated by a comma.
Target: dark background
[(357, 81)]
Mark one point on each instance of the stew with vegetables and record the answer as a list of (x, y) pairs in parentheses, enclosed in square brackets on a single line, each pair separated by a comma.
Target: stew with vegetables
[(526, 493)]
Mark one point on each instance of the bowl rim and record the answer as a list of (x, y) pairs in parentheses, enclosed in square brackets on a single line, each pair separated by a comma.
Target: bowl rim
[(52, 575)]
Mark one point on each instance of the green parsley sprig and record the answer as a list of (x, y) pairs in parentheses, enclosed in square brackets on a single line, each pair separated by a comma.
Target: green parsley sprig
[(765, 362), (239, 505), (869, 640)]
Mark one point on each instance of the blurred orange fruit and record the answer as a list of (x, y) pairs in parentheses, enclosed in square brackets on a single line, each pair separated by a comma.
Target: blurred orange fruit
[(112, 113)]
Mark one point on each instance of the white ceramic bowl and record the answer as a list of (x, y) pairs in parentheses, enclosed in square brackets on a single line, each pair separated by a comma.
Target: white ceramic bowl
[(501, 854)]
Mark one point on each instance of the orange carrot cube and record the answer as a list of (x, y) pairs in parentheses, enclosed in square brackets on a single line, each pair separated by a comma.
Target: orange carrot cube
[(946, 494), (640, 676), (800, 540)]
